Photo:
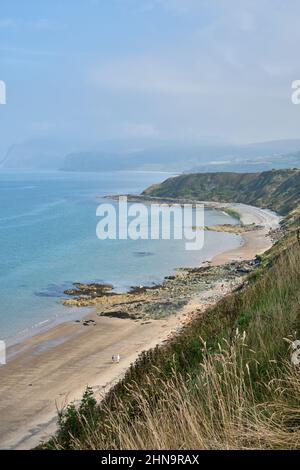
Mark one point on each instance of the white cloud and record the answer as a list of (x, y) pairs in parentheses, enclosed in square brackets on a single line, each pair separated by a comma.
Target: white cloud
[(245, 44), (209, 67), (230, 75)]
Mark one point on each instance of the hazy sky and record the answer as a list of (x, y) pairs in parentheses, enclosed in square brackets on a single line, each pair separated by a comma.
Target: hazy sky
[(163, 69)]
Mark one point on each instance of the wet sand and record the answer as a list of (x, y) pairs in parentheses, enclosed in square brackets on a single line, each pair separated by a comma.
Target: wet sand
[(54, 367)]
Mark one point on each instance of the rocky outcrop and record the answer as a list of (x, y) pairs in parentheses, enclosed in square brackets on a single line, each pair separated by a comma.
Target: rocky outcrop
[(160, 301)]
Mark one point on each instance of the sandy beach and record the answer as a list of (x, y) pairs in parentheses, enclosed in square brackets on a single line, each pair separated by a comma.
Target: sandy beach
[(54, 367), (254, 242)]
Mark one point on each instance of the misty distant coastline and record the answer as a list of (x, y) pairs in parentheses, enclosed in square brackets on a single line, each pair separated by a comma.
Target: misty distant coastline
[(160, 156)]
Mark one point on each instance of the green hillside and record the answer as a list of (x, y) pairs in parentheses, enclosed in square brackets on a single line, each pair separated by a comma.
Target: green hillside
[(278, 189)]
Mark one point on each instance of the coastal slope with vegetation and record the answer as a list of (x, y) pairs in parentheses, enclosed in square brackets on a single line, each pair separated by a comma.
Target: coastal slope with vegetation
[(226, 381), (278, 190)]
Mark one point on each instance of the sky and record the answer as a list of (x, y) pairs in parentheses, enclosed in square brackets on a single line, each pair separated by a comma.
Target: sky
[(91, 70)]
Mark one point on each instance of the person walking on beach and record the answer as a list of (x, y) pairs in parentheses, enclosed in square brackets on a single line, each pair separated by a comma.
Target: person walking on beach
[(116, 358)]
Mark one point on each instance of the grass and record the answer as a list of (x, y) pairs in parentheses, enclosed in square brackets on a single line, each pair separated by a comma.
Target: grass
[(277, 189), (226, 382), (233, 213)]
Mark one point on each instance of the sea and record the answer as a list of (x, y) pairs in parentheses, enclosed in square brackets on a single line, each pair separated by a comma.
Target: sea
[(48, 241)]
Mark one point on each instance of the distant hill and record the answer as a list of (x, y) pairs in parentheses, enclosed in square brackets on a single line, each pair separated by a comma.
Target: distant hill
[(201, 156), (163, 157), (252, 164), (196, 157), (278, 189), (39, 154)]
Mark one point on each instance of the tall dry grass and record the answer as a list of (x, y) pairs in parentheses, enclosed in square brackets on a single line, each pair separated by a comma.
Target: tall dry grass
[(225, 383), (218, 410)]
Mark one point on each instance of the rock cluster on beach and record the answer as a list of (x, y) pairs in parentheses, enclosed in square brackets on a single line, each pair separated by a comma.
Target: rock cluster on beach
[(89, 290), (204, 285)]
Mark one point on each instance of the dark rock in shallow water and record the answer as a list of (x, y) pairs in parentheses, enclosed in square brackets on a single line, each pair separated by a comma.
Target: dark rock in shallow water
[(90, 290), (143, 254)]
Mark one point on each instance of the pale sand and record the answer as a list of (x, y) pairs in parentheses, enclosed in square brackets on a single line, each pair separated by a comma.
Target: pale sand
[(54, 367), (61, 372), (254, 242)]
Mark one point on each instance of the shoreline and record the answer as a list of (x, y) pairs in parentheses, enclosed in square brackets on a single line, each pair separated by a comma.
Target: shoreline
[(254, 242), (56, 365), (18, 337)]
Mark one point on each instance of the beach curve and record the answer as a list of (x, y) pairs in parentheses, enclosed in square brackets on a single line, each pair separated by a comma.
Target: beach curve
[(55, 366)]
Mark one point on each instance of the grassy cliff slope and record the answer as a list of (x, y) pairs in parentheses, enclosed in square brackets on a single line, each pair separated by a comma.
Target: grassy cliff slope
[(278, 189)]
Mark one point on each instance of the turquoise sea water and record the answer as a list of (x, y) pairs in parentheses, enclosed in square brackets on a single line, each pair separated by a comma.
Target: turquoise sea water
[(48, 241)]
